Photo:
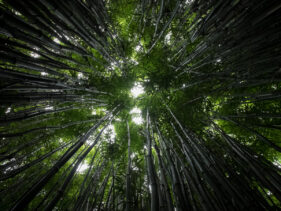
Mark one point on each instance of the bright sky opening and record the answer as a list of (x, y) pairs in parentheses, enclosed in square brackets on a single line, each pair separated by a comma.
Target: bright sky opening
[(34, 55), (138, 48), (56, 40), (111, 132), (8, 110), (168, 38), (136, 116), (82, 167), (137, 90), (48, 108)]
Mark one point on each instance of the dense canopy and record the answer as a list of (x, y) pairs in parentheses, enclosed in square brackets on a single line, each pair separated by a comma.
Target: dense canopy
[(140, 105)]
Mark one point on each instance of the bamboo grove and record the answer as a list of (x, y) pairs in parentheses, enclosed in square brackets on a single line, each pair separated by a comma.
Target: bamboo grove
[(210, 134)]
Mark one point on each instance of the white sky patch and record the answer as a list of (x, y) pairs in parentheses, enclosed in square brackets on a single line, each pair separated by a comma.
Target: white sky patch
[(135, 62), (111, 131), (102, 29), (49, 108), (189, 1), (277, 164), (268, 193), (17, 13), (80, 75), (135, 110), (56, 40), (82, 167), (94, 112), (34, 55), (218, 60), (44, 73), (133, 155), (61, 141), (113, 65), (90, 140), (135, 168), (8, 110), (136, 116), (137, 90), (137, 120), (138, 48), (168, 38)]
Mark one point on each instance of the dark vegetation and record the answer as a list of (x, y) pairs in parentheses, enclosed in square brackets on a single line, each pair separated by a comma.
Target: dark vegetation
[(210, 137)]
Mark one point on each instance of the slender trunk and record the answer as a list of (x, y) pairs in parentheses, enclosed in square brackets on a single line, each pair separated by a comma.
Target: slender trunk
[(164, 183), (128, 176), (151, 170), (38, 185)]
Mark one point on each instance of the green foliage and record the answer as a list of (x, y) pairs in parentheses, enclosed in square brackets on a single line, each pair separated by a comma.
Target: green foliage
[(210, 74)]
